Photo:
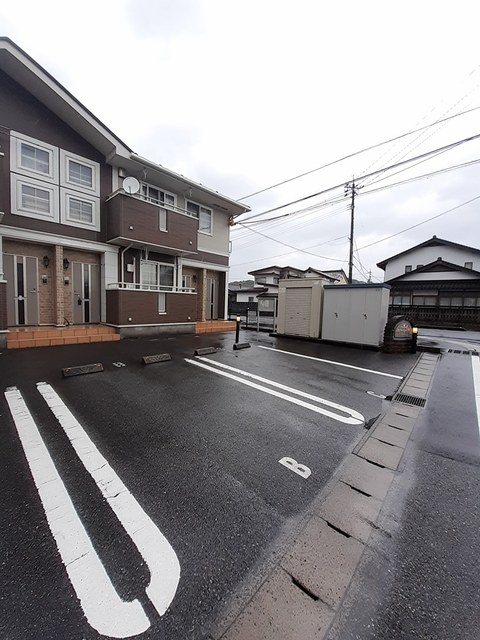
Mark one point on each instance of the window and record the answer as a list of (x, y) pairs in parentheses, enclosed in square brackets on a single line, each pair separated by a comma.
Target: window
[(162, 303), (33, 158), (80, 210), (251, 298), (424, 301), (453, 301), (468, 265), (155, 275), (187, 281), (204, 215), (401, 300), (80, 174), (419, 266), (408, 268), (34, 198), (162, 219), (156, 195)]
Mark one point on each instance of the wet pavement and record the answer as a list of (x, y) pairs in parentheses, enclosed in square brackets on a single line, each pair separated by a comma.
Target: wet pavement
[(197, 454), (196, 445)]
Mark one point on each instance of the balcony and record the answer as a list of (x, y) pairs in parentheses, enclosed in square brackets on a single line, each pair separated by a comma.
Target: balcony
[(131, 219)]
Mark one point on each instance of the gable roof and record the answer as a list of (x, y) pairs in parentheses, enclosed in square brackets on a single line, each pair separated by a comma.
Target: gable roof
[(435, 267), (26, 72), (276, 270), (432, 242)]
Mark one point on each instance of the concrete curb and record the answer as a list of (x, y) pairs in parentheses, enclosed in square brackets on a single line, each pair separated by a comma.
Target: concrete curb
[(301, 596)]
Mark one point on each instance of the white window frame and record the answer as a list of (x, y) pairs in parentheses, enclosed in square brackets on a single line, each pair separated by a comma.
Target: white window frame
[(205, 210), (16, 183), (16, 140), (162, 219), (147, 198), (65, 158), (159, 264), (187, 281), (162, 303), (66, 195)]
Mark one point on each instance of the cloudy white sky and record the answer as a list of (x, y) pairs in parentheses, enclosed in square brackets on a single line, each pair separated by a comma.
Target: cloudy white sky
[(244, 95)]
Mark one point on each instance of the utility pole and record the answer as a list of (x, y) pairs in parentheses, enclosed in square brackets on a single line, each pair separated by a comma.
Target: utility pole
[(351, 189)]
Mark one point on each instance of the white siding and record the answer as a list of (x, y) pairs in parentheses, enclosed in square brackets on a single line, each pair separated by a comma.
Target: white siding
[(218, 242), (426, 255)]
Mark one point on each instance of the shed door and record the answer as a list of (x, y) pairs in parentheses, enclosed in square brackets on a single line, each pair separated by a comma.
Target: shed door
[(298, 304)]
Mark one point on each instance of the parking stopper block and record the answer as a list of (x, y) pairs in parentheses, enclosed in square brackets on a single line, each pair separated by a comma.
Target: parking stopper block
[(205, 351), (241, 345), (81, 370), (161, 357)]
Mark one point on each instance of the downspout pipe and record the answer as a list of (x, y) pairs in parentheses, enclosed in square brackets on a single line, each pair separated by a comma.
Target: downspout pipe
[(122, 264)]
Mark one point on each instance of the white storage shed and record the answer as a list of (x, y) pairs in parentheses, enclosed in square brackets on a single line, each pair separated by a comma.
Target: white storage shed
[(355, 313)]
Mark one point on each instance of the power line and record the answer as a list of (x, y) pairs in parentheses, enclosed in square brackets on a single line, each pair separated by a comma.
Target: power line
[(452, 145), (368, 192), (356, 153), (414, 226), (291, 246)]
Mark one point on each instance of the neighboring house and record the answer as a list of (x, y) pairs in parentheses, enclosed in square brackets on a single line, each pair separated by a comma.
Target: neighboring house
[(435, 283), (90, 231), (269, 277), (243, 296)]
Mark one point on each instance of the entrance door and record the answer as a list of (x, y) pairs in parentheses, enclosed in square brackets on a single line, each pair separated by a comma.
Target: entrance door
[(212, 300), (21, 273), (86, 293)]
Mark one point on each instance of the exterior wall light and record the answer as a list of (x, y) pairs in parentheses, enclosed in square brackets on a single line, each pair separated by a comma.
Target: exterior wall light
[(46, 261), (66, 263)]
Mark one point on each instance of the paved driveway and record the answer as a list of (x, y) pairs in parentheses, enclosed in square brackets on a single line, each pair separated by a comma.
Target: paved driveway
[(146, 500)]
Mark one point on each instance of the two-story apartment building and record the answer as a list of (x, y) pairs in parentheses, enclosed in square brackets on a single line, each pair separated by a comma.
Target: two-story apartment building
[(435, 283), (91, 232)]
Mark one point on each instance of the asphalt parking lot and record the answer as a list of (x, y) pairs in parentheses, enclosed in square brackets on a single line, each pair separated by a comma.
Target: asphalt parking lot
[(144, 500)]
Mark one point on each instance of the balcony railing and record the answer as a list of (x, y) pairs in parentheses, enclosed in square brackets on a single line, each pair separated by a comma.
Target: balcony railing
[(156, 288)]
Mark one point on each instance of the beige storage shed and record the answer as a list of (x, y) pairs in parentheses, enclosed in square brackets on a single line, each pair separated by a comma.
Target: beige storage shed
[(300, 307)]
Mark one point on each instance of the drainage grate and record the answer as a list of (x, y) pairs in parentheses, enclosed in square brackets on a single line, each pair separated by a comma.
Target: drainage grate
[(465, 353), (411, 400)]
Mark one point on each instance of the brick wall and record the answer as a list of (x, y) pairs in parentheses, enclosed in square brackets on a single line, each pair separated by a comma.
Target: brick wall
[(55, 298), (46, 291)]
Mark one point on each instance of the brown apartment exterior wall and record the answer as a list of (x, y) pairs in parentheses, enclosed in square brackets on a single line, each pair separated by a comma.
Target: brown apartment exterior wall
[(141, 307), (135, 219), (21, 112)]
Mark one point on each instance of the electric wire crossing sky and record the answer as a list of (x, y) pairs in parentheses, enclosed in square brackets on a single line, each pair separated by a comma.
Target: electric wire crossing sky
[(105, 611)]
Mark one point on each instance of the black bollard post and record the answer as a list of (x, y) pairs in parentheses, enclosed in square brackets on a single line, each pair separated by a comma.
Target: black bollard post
[(237, 329), (414, 339)]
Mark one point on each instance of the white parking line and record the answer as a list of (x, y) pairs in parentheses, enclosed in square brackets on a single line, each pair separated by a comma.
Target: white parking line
[(150, 542), (338, 364), (476, 385), (352, 417), (103, 608)]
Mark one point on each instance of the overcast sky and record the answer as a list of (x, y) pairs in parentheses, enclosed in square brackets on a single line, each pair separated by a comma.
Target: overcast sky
[(243, 95)]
